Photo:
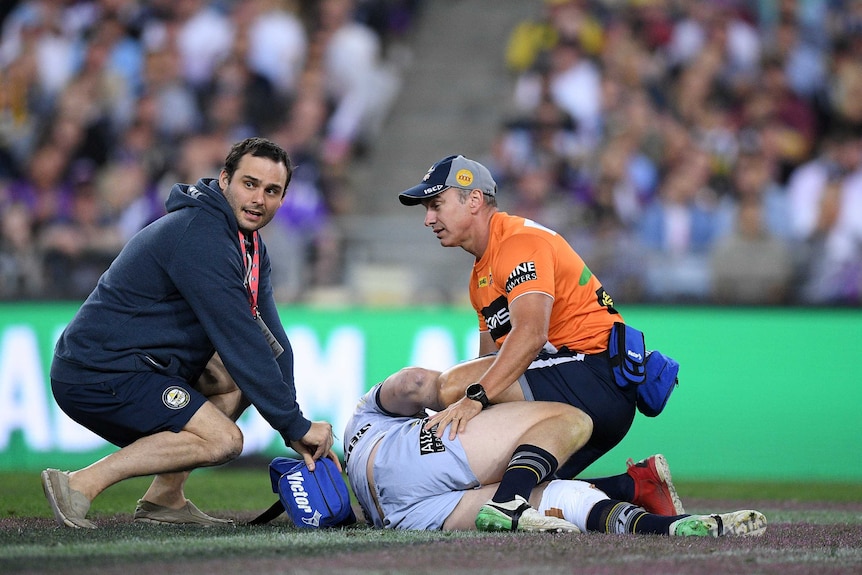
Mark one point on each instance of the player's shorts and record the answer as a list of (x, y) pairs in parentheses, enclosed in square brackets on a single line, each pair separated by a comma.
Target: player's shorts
[(130, 407), (583, 381), (419, 477)]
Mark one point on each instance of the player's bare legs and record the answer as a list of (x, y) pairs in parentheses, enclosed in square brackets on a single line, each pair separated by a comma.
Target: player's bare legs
[(497, 432)]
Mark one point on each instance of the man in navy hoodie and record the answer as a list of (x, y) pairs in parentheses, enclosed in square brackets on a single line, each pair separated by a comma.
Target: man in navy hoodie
[(180, 335)]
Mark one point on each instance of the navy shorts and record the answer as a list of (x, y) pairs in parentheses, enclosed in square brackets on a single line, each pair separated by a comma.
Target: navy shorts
[(583, 381), (130, 407)]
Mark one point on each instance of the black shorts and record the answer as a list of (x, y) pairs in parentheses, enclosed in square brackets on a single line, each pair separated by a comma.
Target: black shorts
[(130, 407), (583, 381)]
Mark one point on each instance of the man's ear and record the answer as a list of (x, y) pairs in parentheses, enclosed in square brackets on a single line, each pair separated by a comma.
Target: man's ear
[(223, 179), (477, 199)]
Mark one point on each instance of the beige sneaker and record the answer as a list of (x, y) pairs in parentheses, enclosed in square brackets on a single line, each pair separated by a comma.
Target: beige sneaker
[(147, 512), (518, 515), (69, 506), (746, 523)]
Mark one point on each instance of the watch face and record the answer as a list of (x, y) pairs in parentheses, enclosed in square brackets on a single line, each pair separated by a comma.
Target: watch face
[(476, 392)]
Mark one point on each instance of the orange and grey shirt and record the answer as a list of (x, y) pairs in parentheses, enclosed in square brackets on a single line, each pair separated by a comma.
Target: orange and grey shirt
[(525, 257)]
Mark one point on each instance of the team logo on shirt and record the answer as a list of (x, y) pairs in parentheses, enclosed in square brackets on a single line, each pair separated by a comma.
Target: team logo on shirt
[(497, 317), (483, 281), (428, 441), (176, 397), (605, 300), (523, 272)]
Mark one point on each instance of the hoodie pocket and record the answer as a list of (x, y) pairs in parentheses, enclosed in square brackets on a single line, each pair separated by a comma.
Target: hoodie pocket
[(158, 365)]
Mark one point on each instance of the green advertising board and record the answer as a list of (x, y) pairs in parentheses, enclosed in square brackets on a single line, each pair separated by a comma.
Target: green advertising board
[(765, 393)]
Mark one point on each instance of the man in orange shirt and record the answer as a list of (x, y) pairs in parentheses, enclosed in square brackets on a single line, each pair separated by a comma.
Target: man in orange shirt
[(537, 303)]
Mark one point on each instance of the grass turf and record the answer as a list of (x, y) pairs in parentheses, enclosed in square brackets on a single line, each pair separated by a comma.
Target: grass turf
[(29, 542), (249, 490)]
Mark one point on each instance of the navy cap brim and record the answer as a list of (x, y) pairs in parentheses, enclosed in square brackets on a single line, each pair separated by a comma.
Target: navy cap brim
[(415, 195)]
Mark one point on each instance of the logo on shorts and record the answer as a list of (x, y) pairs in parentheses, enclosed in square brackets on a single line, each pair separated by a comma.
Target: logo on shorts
[(176, 397)]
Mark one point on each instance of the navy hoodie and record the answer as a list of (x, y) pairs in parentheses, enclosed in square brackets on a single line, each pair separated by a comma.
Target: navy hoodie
[(172, 297)]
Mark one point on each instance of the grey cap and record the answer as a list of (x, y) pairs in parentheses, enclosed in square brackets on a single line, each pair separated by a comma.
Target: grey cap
[(450, 172)]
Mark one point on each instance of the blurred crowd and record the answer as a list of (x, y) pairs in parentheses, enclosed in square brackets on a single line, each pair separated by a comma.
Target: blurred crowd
[(692, 151), (104, 104), (705, 151)]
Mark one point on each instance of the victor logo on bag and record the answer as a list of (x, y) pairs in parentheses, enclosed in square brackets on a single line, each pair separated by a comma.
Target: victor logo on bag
[(295, 483), (312, 499)]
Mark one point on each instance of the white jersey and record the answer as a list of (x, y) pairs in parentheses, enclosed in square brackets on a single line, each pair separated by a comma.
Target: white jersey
[(419, 478)]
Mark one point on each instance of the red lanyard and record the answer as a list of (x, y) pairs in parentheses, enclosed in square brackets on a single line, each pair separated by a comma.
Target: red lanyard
[(252, 270)]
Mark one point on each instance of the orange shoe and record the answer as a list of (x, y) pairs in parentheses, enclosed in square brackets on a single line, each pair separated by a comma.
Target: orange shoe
[(654, 490)]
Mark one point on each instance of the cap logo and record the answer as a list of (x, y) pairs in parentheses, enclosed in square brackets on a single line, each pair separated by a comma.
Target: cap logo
[(464, 178), (428, 174)]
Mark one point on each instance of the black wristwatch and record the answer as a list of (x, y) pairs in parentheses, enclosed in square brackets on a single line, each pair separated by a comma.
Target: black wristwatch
[(476, 392)]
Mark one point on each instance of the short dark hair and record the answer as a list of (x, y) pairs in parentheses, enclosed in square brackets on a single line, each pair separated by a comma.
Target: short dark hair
[(260, 148)]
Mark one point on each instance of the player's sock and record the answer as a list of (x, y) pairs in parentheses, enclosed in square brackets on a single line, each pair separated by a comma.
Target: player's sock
[(529, 466), (620, 487), (611, 516)]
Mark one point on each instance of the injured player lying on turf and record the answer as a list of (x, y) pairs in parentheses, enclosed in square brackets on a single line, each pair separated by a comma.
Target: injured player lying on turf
[(647, 483), (495, 475)]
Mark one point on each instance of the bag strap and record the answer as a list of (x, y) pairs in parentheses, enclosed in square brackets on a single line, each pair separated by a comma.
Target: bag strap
[(274, 511), (620, 332)]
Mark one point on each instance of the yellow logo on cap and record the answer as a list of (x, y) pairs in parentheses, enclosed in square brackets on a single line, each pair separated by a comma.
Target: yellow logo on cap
[(464, 178)]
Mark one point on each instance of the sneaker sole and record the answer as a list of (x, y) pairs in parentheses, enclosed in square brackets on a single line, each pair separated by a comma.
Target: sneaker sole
[(663, 470), (490, 522), (746, 523), (149, 521), (494, 527), (59, 516), (188, 515)]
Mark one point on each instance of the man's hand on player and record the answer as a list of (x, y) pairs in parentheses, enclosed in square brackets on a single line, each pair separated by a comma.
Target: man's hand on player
[(455, 416)]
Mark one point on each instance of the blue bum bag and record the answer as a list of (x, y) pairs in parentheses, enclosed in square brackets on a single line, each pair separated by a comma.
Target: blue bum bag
[(312, 499), (661, 379), (654, 373)]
